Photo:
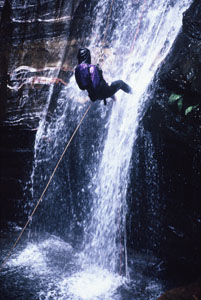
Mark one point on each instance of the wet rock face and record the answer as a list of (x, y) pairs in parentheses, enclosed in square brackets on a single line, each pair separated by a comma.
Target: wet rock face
[(172, 122), (192, 291), (39, 46), (181, 71), (192, 21), (34, 37), (16, 155)]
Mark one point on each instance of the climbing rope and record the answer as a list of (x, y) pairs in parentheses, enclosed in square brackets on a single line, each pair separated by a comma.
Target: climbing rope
[(138, 26), (123, 248), (107, 23), (45, 189), (105, 34)]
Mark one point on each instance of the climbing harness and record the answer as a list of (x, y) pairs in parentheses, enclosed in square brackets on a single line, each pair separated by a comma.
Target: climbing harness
[(45, 189)]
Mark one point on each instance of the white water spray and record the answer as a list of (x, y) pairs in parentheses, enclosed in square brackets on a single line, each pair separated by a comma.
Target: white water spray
[(160, 24)]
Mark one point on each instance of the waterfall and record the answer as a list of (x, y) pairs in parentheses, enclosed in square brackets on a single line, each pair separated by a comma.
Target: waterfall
[(142, 36), (136, 62), (85, 205)]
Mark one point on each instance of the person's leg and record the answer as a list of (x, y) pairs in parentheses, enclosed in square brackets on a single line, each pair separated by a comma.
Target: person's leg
[(118, 85), (107, 91), (113, 97)]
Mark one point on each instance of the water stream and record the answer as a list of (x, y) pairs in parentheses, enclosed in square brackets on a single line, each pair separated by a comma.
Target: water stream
[(86, 203)]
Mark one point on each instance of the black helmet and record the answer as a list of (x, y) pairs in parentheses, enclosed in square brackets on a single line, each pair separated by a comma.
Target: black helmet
[(84, 56)]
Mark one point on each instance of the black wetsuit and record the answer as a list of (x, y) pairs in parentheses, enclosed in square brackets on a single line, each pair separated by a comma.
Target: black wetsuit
[(104, 91), (90, 77)]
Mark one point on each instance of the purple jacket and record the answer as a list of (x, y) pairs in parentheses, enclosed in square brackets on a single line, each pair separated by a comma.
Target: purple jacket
[(87, 76)]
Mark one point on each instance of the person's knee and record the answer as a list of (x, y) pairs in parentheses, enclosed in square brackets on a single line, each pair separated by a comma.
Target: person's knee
[(126, 88)]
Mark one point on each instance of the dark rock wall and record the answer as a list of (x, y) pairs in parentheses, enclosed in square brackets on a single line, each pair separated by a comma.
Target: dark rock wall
[(35, 37), (165, 189), (192, 291), (16, 164), (36, 52)]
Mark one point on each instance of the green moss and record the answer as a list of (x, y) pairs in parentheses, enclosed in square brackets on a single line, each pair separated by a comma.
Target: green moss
[(174, 97), (180, 104), (189, 109)]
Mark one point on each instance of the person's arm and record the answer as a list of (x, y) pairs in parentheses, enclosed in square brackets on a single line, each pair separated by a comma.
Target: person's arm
[(77, 78)]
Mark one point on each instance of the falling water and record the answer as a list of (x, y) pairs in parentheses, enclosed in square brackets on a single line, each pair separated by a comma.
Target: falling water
[(140, 35), (140, 57)]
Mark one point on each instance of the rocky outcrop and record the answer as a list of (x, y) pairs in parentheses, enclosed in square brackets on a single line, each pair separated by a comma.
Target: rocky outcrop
[(190, 292), (181, 71), (170, 131), (176, 107), (34, 40)]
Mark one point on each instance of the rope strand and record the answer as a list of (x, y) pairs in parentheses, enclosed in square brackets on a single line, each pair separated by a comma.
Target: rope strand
[(45, 189), (105, 34), (138, 26)]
